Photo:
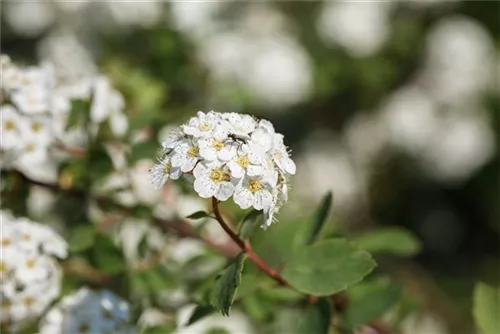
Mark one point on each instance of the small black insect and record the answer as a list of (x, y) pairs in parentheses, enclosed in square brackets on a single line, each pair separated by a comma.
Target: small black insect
[(239, 138)]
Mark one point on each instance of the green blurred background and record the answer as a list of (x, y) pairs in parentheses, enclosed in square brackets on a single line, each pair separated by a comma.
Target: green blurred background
[(392, 106)]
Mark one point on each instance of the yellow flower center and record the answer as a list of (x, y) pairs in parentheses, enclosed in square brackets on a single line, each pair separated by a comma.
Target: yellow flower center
[(6, 303), (9, 125), (30, 148), (218, 175), (26, 236), (36, 127), (28, 301), (243, 161), (5, 242), (3, 267), (30, 263), (193, 152), (166, 168), (277, 155), (218, 145), (204, 127), (255, 185)]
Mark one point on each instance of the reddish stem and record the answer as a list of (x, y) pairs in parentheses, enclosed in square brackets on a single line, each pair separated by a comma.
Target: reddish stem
[(247, 248)]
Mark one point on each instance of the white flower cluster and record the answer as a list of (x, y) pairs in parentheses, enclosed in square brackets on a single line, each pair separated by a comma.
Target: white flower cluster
[(35, 107), (30, 276), (88, 311), (229, 154)]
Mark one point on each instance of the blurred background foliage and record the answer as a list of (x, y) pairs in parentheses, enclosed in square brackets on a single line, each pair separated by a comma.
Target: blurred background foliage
[(392, 106)]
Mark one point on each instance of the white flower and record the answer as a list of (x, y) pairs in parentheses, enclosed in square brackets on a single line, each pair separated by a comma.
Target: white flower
[(202, 125), (10, 126), (185, 156), (280, 156), (162, 171), (88, 311), (240, 125), (250, 159), (254, 191), (30, 275), (213, 180), (230, 155), (217, 147)]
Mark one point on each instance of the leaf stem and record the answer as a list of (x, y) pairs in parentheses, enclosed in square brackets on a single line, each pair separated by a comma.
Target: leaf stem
[(247, 248)]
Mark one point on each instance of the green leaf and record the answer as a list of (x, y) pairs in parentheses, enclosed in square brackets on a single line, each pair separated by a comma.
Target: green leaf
[(368, 301), (198, 215), (258, 308), (389, 240), (487, 308), (217, 330), (320, 217), (316, 318), (327, 267), (200, 312), (282, 294), (82, 238), (226, 284), (250, 224)]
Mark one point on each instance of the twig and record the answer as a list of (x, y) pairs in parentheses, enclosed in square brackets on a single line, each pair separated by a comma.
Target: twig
[(247, 248)]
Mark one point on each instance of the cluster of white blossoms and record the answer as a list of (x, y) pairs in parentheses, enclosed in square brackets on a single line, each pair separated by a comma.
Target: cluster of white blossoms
[(30, 277), (88, 311), (229, 154), (35, 108)]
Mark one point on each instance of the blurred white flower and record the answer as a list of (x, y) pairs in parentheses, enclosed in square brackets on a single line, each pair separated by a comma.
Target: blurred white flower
[(362, 28), (274, 68), (236, 323), (29, 18), (88, 311), (142, 13), (459, 64), (325, 166), (30, 274)]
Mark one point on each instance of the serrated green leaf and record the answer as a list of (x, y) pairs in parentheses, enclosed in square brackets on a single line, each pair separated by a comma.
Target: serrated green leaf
[(226, 284), (327, 267), (320, 217), (368, 301), (250, 224), (316, 318), (487, 308), (198, 215), (389, 240), (200, 312), (82, 238)]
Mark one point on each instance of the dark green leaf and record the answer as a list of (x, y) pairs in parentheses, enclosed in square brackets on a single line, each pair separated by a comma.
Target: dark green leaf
[(316, 318), (200, 312), (198, 215), (167, 327), (82, 238), (143, 246), (389, 240), (327, 267), (320, 217), (250, 224), (368, 301), (487, 308), (226, 284)]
